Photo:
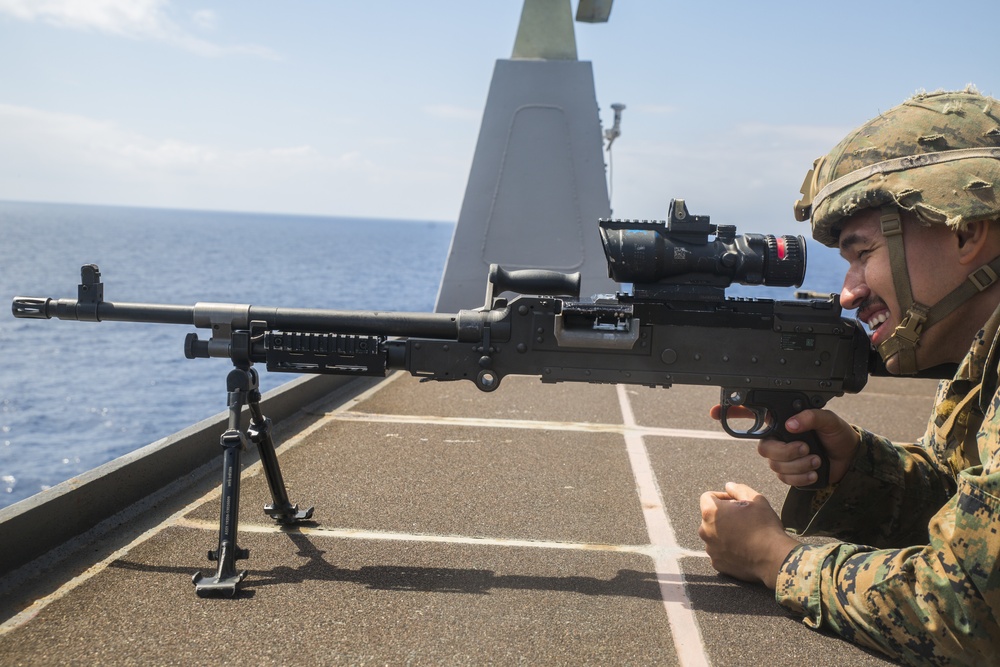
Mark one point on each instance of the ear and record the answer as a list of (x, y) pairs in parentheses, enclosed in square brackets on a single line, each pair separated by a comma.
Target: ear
[(975, 242)]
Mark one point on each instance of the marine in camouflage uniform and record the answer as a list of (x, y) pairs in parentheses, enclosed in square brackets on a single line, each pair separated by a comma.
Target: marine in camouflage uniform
[(925, 587), (932, 604), (916, 573)]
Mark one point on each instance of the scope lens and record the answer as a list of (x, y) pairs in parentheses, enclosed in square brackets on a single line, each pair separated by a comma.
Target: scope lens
[(785, 265)]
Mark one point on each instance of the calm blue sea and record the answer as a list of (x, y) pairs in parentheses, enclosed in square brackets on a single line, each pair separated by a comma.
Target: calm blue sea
[(76, 395)]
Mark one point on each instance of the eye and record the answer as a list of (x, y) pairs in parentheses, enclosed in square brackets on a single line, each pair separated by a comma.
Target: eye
[(864, 253)]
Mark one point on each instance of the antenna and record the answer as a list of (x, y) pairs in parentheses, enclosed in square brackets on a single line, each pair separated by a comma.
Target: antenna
[(616, 128), (610, 135)]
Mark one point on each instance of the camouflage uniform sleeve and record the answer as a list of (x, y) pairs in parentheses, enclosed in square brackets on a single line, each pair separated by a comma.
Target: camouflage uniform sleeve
[(928, 605), (933, 604), (885, 500)]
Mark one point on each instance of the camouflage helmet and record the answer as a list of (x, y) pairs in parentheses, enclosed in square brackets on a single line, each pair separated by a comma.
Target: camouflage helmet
[(937, 155)]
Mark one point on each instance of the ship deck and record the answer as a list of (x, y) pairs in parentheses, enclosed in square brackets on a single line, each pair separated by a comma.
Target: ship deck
[(538, 524)]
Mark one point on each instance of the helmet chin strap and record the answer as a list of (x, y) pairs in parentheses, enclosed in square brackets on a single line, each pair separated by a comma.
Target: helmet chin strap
[(917, 317)]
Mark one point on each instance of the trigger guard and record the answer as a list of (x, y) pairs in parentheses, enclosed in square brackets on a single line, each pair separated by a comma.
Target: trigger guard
[(759, 420)]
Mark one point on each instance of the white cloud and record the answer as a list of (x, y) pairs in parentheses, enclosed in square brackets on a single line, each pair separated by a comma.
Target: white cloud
[(451, 112), (655, 108), (43, 138), (71, 158), (205, 19), (132, 19), (793, 135), (128, 18), (85, 147), (747, 175)]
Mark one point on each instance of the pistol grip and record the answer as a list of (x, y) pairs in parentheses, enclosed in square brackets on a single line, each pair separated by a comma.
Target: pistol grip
[(815, 447), (771, 409)]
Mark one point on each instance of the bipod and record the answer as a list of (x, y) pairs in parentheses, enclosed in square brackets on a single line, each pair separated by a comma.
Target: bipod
[(244, 390)]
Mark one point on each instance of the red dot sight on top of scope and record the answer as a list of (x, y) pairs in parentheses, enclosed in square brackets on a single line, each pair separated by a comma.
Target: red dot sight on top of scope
[(655, 255)]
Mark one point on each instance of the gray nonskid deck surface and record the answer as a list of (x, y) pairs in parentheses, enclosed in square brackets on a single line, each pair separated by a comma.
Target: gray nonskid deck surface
[(538, 524)]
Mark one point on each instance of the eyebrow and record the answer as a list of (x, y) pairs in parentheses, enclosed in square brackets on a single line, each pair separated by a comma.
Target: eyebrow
[(851, 240)]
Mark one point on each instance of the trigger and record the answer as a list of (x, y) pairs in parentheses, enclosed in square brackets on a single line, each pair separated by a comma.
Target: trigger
[(759, 417)]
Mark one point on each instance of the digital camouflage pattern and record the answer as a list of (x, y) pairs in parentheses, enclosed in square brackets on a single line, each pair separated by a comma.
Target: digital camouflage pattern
[(937, 154), (925, 587)]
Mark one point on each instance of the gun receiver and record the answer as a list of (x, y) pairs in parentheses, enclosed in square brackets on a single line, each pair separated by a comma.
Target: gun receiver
[(676, 326)]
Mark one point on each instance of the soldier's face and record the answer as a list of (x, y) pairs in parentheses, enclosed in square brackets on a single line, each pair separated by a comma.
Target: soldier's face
[(869, 287)]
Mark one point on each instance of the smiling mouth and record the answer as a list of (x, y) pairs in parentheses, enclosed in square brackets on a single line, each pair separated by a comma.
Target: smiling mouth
[(874, 316), (877, 320)]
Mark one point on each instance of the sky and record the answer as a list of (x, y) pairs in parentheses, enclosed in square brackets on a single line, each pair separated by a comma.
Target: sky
[(372, 109)]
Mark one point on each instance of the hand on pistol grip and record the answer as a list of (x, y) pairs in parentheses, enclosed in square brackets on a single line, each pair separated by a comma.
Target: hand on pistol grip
[(769, 409)]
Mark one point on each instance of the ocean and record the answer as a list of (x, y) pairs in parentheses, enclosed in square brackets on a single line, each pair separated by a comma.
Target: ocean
[(76, 395)]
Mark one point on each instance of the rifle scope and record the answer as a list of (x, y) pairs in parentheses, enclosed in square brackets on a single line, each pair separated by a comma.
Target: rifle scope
[(678, 252)]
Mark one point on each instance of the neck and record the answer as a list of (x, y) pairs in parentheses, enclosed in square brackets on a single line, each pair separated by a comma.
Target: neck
[(979, 313)]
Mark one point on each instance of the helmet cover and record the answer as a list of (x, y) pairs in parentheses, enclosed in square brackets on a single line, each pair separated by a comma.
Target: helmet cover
[(937, 155)]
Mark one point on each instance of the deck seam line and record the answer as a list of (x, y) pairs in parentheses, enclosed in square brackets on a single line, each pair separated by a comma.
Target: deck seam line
[(659, 552), (476, 422), (687, 637), (379, 535)]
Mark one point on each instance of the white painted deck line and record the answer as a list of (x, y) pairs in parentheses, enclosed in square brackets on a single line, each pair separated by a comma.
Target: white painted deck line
[(376, 535), (680, 614), (589, 427), (663, 552)]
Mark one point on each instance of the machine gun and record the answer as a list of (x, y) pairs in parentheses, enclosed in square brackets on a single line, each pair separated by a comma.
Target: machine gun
[(772, 359)]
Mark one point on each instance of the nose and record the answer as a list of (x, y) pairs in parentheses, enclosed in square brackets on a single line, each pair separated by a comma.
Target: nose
[(854, 290)]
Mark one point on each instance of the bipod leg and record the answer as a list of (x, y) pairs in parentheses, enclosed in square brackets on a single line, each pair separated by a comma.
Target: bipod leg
[(239, 383), (280, 509)]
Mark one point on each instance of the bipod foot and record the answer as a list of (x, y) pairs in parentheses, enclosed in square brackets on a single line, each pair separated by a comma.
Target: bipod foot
[(227, 577), (217, 585), (288, 514)]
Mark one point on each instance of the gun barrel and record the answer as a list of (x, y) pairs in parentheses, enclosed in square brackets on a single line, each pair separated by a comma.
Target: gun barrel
[(43, 308), (462, 325)]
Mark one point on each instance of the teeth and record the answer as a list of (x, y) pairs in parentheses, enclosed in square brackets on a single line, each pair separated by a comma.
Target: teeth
[(877, 320)]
